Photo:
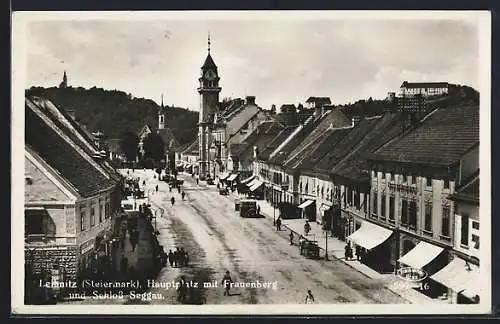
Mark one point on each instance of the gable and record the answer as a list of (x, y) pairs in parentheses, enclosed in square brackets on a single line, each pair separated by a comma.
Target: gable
[(144, 132), (41, 186)]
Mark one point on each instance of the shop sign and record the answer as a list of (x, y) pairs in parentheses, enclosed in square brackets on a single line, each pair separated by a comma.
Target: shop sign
[(87, 246), (402, 188)]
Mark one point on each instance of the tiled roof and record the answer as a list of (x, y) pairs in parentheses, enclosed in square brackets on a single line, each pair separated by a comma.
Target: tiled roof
[(334, 118), (346, 145), (469, 190), (441, 139), (260, 137), (264, 154), (235, 105), (80, 136), (355, 166), (319, 101), (169, 139), (316, 152), (63, 156), (193, 148), (280, 157)]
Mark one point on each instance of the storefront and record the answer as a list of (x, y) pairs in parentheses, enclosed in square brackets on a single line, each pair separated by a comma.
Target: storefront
[(257, 189), (232, 181), (462, 281), (308, 210), (374, 245), (86, 260)]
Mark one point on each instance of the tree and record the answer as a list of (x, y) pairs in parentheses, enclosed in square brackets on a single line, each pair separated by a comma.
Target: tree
[(129, 145), (273, 110), (154, 148)]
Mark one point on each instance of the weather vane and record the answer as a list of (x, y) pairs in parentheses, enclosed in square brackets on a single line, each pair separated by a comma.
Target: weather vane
[(208, 42)]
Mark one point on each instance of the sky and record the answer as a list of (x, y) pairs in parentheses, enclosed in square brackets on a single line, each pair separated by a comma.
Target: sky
[(277, 60)]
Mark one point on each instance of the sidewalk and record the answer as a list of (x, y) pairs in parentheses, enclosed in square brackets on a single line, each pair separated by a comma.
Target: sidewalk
[(336, 250), (142, 259)]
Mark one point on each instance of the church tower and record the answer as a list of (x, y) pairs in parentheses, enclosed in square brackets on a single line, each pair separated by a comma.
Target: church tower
[(161, 115), (64, 83), (209, 100)]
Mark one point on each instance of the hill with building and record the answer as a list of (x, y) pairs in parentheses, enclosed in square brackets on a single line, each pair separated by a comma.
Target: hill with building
[(115, 112)]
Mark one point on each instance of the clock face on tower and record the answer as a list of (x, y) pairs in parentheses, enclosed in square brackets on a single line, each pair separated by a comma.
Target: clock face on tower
[(210, 75)]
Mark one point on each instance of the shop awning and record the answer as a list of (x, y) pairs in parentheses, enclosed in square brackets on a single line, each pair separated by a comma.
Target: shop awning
[(370, 235), (232, 177), (247, 180), (461, 277), (256, 185), (252, 182), (306, 203), (421, 255), (224, 176)]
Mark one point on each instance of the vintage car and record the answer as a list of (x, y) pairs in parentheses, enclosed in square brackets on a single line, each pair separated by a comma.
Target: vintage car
[(248, 208)]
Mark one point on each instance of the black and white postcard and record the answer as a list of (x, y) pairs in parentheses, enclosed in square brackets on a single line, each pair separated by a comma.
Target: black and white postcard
[(298, 162)]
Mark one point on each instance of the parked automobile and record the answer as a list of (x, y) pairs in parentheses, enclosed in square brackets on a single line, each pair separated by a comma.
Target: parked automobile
[(248, 208)]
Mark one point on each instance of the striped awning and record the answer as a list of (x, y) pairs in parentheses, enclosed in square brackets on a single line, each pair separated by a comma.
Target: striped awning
[(256, 185)]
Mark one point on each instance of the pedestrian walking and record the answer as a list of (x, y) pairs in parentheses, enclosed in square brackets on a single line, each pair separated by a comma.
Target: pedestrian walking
[(358, 252), (171, 258), (258, 210), (178, 189), (183, 195), (156, 188), (307, 228), (172, 200), (291, 238), (309, 297), (346, 252), (182, 257), (170, 188), (176, 258), (181, 290), (186, 258), (278, 224), (301, 244), (226, 282)]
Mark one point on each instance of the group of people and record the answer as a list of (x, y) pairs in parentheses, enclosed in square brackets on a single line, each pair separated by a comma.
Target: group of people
[(360, 252), (178, 258)]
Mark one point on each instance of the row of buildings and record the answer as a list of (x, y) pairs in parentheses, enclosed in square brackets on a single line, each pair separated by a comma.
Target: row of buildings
[(72, 197), (404, 185)]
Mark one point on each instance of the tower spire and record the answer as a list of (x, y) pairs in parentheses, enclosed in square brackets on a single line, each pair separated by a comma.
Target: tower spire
[(162, 100), (209, 43)]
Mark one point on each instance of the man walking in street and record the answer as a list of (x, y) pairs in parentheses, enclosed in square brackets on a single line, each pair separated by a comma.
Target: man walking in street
[(291, 238), (181, 290), (171, 258), (278, 224), (226, 282), (156, 188)]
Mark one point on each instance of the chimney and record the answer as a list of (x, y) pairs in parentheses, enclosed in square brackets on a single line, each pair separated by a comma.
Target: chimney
[(250, 100), (326, 108), (71, 114), (318, 111), (355, 121)]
